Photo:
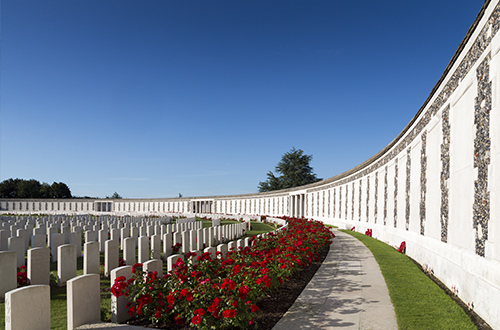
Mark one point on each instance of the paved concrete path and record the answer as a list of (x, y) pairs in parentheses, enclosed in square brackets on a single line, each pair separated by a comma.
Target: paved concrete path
[(347, 292)]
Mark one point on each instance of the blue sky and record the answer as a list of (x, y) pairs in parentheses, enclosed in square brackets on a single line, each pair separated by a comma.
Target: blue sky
[(156, 98)]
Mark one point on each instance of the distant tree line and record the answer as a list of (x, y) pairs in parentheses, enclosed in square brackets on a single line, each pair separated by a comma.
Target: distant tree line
[(20, 188)]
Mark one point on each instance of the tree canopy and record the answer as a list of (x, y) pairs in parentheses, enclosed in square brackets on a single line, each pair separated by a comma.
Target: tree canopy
[(292, 171), (114, 196), (20, 188)]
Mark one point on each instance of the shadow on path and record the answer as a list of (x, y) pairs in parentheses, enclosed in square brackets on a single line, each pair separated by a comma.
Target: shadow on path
[(347, 292)]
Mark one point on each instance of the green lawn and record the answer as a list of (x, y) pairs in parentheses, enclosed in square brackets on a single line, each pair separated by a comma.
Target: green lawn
[(257, 227), (419, 303)]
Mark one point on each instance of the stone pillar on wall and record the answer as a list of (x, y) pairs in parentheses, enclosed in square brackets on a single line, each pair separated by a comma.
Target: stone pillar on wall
[(301, 206), (295, 205)]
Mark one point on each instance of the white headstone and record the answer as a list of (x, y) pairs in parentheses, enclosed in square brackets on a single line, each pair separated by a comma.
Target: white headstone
[(199, 240), (151, 231), (155, 247), (103, 237), (24, 234), (172, 260), (194, 259), (83, 300), (240, 244), (232, 246), (143, 249), (75, 238), (124, 233), (192, 240), (38, 241), (91, 258), (66, 263), (4, 240), (167, 245), (56, 240), (115, 234), (66, 230), (50, 232), (8, 272), (212, 251), (110, 256), (16, 244), (223, 249), (28, 308), (153, 265), (129, 250), (39, 265), (134, 232), (185, 242), (90, 236), (119, 311)]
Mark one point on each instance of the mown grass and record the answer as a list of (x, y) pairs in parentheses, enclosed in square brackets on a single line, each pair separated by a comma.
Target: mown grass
[(257, 227), (419, 303), (58, 294)]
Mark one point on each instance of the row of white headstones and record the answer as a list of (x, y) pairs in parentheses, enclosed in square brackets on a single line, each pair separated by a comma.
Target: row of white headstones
[(85, 289)]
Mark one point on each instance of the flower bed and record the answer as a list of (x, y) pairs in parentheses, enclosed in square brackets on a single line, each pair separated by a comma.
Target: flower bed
[(224, 292)]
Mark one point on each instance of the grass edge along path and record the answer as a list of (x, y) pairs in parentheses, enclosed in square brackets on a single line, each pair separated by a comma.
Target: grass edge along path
[(419, 303)]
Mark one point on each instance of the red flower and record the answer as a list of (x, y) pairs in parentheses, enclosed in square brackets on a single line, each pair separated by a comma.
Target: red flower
[(196, 319), (228, 283), (243, 292), (131, 311), (135, 266), (184, 292), (199, 311), (153, 275), (191, 254), (254, 308), (229, 313), (236, 269)]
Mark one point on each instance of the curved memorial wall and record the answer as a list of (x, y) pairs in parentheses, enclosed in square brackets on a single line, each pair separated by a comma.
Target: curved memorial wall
[(436, 186)]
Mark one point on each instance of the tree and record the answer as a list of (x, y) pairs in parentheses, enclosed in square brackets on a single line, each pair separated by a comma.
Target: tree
[(28, 189), (8, 188), (60, 190), (20, 188), (293, 170), (46, 191), (114, 196)]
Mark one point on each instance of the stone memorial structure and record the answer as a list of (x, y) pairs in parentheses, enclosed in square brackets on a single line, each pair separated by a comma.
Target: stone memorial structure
[(436, 186)]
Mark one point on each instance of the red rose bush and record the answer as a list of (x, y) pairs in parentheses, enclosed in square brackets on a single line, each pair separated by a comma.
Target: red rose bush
[(223, 292)]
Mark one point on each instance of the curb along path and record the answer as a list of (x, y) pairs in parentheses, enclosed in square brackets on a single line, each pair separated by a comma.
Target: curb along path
[(347, 292)]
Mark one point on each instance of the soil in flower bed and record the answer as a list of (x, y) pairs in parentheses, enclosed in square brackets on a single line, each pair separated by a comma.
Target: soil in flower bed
[(273, 306)]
